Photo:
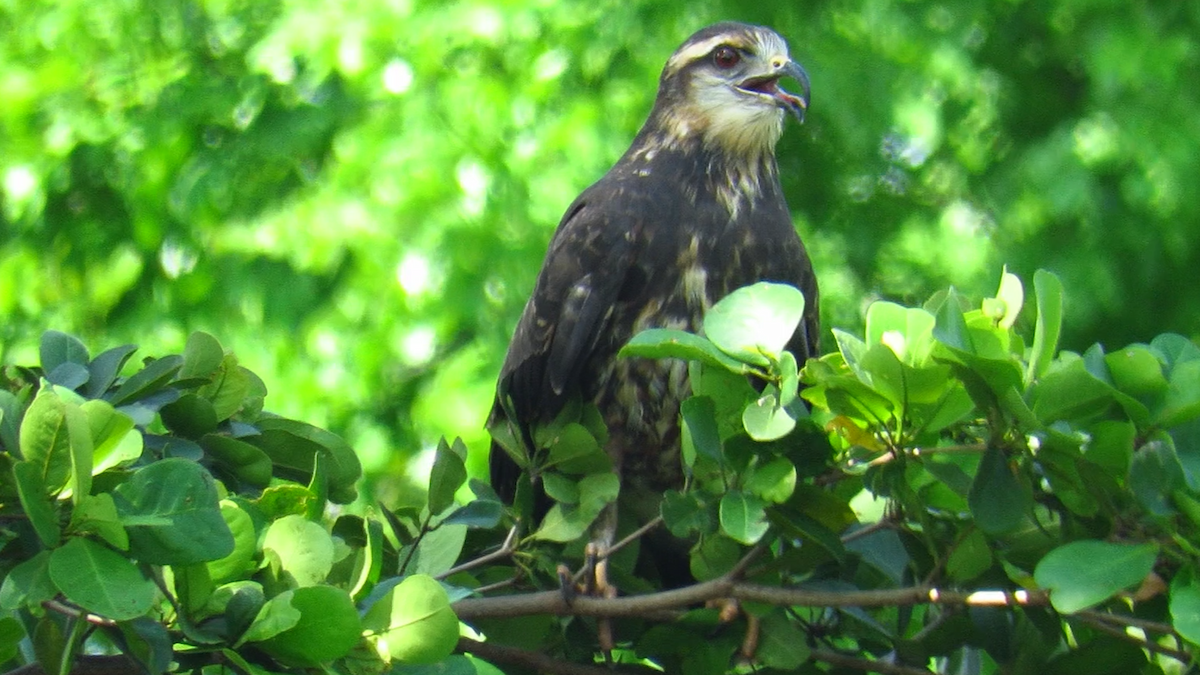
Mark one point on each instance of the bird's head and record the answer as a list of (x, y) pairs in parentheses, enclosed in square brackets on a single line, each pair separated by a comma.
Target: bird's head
[(722, 86)]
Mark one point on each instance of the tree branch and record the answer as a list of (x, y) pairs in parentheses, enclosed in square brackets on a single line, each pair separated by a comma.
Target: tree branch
[(552, 602)]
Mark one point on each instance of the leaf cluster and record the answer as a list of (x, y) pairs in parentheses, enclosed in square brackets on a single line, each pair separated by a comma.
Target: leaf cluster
[(156, 511), (938, 449)]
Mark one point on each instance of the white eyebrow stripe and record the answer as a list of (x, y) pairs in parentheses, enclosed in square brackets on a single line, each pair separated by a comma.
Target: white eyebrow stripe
[(693, 52)]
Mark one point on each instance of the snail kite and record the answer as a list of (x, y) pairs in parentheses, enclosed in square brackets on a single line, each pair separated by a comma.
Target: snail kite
[(692, 211)]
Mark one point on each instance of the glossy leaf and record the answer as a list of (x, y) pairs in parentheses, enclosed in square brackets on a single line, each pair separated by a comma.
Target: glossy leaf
[(304, 548), (661, 343), (101, 581), (413, 622), (328, 628), (754, 323), (1084, 573), (743, 517), (169, 508), (998, 500)]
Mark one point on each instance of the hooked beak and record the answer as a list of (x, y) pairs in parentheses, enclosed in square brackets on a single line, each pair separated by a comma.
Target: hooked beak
[(769, 86), (796, 105)]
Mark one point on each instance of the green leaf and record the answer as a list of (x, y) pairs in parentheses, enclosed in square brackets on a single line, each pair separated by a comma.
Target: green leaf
[(1181, 402), (202, 355), (997, 499), (1155, 473), (58, 348), (104, 369), (560, 488), (1087, 572), (687, 515), (304, 548), (700, 434), (568, 522), (97, 514), (293, 447), (190, 416), (1185, 606), (743, 517), (148, 643), (765, 419), (100, 580), (79, 434), (245, 542), (480, 513), (714, 556), (28, 584), (773, 481), (782, 644), (971, 557), (36, 503), (45, 440), (437, 551), (114, 440), (1049, 293), (11, 635), (171, 512), (906, 331), (246, 462), (230, 390), (448, 473), (661, 343), (414, 622), (1012, 294), (754, 323), (150, 379), (328, 628), (1136, 371), (574, 450), (193, 587), (274, 617)]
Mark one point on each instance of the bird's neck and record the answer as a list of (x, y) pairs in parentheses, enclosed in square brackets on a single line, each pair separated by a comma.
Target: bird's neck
[(738, 176)]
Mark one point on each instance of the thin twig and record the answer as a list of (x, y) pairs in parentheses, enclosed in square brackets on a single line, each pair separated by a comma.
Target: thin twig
[(496, 586), (635, 535), (866, 665), (77, 613), (865, 530), (1126, 620), (502, 655), (972, 448), (739, 569), (626, 541), (1149, 645), (412, 549), (503, 552)]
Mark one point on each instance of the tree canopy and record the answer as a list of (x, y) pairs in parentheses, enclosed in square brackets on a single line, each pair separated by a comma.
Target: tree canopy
[(356, 198)]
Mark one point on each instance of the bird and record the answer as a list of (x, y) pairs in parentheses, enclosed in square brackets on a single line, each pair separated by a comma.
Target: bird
[(693, 210)]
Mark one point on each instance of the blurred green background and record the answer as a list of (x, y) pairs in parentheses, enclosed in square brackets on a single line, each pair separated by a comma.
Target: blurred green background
[(355, 197)]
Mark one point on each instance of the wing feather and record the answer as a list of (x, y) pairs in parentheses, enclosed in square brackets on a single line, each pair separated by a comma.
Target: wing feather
[(586, 265)]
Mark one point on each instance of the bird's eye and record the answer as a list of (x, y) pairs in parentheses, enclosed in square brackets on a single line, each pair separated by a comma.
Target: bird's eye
[(726, 57)]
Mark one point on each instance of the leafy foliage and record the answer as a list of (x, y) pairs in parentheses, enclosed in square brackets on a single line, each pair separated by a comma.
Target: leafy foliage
[(938, 491), (357, 198), (152, 510), (1003, 467)]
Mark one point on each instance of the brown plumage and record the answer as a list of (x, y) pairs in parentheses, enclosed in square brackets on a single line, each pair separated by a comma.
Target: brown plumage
[(692, 211)]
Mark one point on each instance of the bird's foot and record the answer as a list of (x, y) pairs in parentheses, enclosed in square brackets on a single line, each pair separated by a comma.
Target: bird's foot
[(728, 610), (593, 583)]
